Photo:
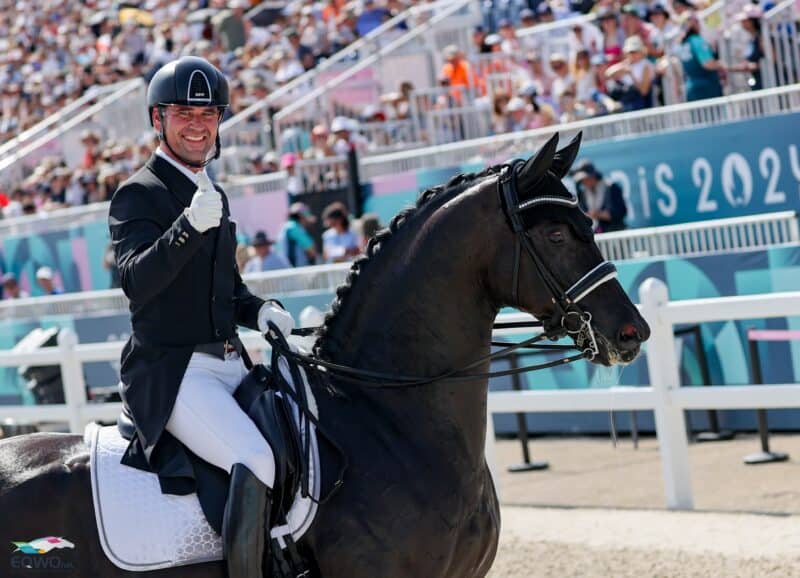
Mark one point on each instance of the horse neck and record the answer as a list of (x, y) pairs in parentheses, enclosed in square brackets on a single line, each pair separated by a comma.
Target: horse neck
[(420, 307)]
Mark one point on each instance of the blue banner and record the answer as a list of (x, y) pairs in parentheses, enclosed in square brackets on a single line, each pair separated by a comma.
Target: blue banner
[(731, 170)]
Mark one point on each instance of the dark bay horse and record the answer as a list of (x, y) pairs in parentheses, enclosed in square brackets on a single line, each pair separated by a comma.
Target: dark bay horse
[(417, 498)]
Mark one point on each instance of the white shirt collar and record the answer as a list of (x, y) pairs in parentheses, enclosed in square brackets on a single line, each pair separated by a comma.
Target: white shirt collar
[(192, 176)]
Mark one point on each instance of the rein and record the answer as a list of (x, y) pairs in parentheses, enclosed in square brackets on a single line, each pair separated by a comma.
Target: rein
[(568, 319), (384, 380)]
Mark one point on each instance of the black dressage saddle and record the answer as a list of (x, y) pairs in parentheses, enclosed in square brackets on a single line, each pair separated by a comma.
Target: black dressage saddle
[(259, 398)]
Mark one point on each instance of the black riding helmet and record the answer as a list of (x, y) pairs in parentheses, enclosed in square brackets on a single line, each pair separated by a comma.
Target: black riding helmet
[(187, 81)]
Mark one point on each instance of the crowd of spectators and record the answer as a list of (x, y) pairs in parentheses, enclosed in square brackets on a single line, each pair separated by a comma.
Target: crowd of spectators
[(342, 239), (632, 55), (615, 63), (52, 52)]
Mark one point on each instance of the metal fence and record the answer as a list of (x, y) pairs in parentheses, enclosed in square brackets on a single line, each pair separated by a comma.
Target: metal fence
[(667, 118), (252, 126), (707, 237), (781, 44), (451, 21), (53, 121), (125, 102)]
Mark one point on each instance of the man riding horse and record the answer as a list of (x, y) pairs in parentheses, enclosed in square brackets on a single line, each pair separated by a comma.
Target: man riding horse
[(175, 249)]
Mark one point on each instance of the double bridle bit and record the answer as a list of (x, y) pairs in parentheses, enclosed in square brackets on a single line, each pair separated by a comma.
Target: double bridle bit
[(568, 317)]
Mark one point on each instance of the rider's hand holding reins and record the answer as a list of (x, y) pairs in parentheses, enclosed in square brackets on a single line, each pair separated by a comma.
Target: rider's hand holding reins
[(272, 311), (205, 210)]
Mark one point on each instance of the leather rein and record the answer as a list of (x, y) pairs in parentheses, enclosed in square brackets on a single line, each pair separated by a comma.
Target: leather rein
[(568, 317)]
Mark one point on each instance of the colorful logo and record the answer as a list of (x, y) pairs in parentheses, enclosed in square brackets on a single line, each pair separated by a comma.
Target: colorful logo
[(43, 545)]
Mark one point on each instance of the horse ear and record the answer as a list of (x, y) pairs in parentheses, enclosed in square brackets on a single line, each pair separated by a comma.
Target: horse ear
[(536, 166), (563, 159)]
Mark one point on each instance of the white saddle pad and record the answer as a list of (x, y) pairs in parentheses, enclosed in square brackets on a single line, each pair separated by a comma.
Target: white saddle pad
[(142, 529)]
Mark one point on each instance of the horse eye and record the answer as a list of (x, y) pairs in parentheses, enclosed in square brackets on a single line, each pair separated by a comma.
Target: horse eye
[(556, 236)]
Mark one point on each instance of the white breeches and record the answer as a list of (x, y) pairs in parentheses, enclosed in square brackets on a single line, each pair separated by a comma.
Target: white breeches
[(208, 421)]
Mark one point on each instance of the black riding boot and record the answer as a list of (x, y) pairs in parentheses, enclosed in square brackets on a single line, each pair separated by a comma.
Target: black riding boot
[(244, 524)]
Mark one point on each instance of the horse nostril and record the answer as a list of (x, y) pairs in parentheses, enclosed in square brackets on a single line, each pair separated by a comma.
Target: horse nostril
[(629, 333)]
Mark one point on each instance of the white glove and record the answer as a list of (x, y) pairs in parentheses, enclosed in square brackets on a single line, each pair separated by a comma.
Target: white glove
[(272, 312), (205, 211)]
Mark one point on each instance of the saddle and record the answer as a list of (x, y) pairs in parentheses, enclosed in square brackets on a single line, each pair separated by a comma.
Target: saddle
[(257, 395), (282, 406)]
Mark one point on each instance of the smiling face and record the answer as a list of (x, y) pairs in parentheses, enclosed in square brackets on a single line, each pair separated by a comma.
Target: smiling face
[(190, 131)]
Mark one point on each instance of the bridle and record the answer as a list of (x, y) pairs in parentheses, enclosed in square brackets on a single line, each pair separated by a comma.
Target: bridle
[(568, 317)]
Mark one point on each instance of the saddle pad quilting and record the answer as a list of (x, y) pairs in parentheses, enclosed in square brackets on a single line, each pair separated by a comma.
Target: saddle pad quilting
[(142, 529)]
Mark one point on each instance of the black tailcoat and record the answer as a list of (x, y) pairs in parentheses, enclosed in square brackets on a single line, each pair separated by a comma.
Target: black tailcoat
[(184, 289)]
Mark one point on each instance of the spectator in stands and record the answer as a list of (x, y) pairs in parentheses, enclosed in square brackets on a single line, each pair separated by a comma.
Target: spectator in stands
[(304, 54), (265, 259), (11, 289), (339, 243), (270, 163), (509, 44), (683, 8), (613, 37), (346, 136), (701, 68), (537, 76), (458, 73), (662, 29), (632, 24), (368, 225), (320, 146), (500, 118), (397, 104), (294, 182), (562, 79), (630, 81), (371, 17), (294, 240), (90, 140), (518, 115), (544, 13), (230, 25), (599, 198), (479, 40), (527, 18), (583, 76), (44, 278), (750, 20)]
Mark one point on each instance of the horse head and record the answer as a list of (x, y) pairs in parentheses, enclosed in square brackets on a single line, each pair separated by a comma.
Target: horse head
[(548, 264)]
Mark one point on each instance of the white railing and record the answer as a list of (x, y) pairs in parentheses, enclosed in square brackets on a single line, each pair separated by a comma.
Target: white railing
[(715, 21), (780, 44), (315, 104), (127, 102), (240, 129), (57, 118), (554, 36), (664, 395), (702, 238), (709, 112), (237, 185), (456, 124), (270, 283), (56, 220)]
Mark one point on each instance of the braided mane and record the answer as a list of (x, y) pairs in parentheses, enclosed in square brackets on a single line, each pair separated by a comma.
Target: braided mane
[(326, 348)]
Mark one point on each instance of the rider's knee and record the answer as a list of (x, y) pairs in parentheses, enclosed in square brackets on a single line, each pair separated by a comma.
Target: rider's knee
[(261, 463)]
